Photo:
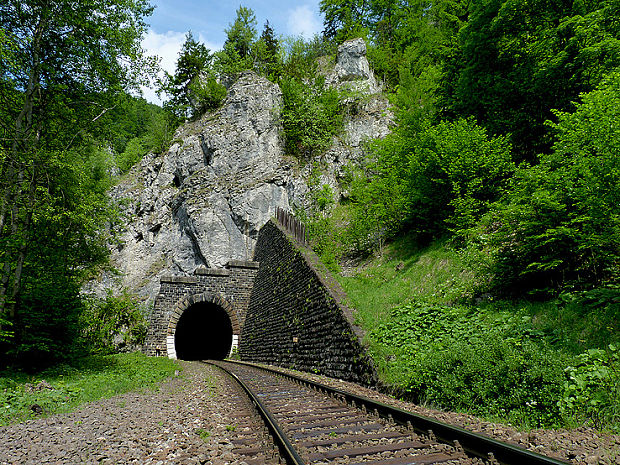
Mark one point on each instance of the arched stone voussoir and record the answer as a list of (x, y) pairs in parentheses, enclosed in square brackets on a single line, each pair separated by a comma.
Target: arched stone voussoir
[(216, 299)]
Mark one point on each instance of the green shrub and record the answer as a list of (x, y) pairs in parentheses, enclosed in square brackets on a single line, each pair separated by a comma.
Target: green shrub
[(455, 171), (457, 358), (560, 226), (428, 179), (135, 149), (311, 116), (159, 132), (592, 389), (112, 324), (299, 57), (206, 94)]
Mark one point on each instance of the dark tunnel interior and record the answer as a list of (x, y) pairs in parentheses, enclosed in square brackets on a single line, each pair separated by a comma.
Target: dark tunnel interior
[(204, 331)]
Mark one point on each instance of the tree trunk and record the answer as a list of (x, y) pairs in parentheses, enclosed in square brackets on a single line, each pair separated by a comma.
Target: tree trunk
[(16, 189)]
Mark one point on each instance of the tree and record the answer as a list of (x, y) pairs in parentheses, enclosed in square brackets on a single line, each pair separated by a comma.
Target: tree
[(241, 34), (238, 52), (560, 225), (267, 60), (344, 19), (517, 60), (64, 63), (194, 59)]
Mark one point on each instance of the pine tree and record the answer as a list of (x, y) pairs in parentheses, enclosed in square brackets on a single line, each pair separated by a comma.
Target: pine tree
[(194, 59), (267, 47)]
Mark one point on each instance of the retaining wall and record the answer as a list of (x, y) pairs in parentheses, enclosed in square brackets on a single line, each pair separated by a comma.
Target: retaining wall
[(296, 318)]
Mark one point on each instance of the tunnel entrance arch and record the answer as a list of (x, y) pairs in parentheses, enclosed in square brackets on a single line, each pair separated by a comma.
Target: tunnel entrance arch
[(202, 326)]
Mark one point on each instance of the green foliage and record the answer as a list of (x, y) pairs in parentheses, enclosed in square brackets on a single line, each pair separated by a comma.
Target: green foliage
[(157, 138), (112, 324), (299, 57), (451, 357), (66, 65), (47, 326), (194, 61), (561, 224), (344, 19), (207, 94), (406, 271), (241, 34), (311, 116), (320, 221), (455, 172), (238, 52), (5, 330), (65, 387), (428, 179), (135, 149), (592, 389), (378, 201), (128, 118), (517, 60), (267, 56), (444, 350), (160, 130), (203, 433)]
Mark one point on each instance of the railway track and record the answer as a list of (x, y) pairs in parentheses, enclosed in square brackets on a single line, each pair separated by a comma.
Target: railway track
[(316, 424)]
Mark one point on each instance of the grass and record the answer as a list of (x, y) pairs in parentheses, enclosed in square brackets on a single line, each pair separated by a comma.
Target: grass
[(402, 272), (437, 274), (203, 433), (65, 387)]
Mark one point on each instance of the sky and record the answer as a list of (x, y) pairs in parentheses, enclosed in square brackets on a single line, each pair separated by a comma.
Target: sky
[(207, 20)]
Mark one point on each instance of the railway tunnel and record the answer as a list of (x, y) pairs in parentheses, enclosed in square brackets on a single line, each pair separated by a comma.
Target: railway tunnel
[(204, 331)]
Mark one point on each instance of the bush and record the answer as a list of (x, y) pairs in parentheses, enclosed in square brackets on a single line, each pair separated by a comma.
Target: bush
[(429, 179), (135, 149), (592, 389), (159, 133), (454, 358), (206, 94), (311, 116), (455, 171), (113, 324), (46, 325)]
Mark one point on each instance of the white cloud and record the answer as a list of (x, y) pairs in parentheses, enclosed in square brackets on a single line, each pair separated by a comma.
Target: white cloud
[(302, 21)]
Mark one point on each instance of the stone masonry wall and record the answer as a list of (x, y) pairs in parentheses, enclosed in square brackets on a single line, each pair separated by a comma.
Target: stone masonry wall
[(228, 287), (295, 318)]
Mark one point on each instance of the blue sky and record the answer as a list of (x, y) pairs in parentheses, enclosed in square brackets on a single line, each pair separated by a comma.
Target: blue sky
[(207, 20)]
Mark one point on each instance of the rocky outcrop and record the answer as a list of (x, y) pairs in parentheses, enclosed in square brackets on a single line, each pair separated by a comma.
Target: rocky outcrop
[(203, 202), (352, 69)]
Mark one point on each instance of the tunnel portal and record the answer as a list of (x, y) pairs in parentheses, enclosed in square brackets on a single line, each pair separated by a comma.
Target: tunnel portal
[(204, 331)]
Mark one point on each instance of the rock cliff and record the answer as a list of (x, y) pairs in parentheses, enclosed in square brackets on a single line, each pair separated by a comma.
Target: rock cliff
[(203, 202)]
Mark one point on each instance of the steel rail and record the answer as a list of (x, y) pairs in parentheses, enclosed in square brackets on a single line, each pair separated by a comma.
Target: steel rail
[(287, 451), (472, 443)]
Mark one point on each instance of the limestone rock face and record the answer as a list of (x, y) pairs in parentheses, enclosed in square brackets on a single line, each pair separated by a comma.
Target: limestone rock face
[(203, 202), (352, 68)]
